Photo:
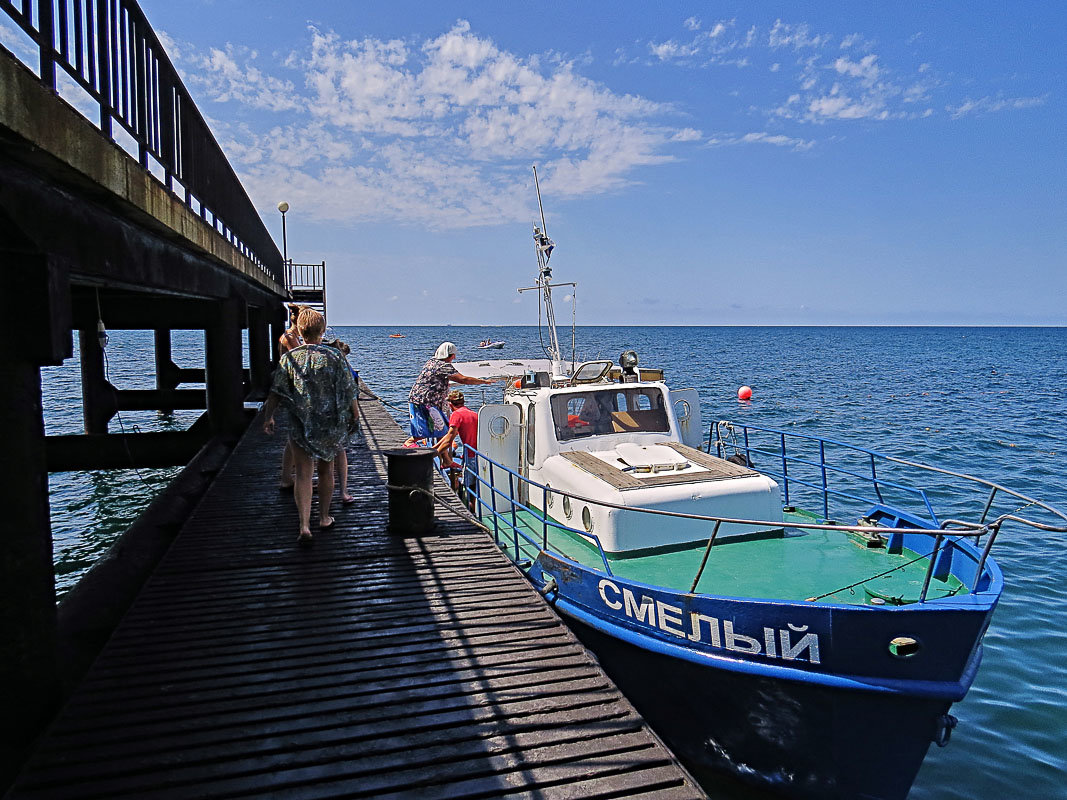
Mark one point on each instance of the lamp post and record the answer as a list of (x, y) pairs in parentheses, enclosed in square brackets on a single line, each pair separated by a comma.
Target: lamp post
[(283, 207)]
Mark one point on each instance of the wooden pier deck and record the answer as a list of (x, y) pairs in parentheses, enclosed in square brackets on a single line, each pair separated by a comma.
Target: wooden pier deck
[(367, 665)]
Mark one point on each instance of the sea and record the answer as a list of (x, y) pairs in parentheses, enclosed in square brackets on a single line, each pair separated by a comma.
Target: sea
[(989, 402)]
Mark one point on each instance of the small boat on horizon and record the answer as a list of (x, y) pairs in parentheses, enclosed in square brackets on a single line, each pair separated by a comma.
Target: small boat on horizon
[(396, 336)]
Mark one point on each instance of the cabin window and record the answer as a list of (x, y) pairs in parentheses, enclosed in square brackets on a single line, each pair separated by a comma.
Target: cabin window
[(530, 439), (595, 413)]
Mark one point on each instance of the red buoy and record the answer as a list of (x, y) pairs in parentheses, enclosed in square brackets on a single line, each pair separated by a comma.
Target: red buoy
[(744, 393), (518, 383)]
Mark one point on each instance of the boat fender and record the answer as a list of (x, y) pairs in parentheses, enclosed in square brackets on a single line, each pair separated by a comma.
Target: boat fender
[(945, 724), (740, 458)]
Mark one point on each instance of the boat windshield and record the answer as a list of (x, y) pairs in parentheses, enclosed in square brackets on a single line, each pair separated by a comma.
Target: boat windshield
[(614, 410)]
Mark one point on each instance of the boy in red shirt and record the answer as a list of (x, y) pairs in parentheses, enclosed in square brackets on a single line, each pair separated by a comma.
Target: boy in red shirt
[(462, 423)]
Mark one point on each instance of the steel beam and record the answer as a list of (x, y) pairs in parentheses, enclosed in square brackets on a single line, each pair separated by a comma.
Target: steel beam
[(121, 451)]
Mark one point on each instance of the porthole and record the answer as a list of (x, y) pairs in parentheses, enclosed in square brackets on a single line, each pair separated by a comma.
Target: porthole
[(904, 647), (587, 520), (499, 426), (550, 497), (567, 507)]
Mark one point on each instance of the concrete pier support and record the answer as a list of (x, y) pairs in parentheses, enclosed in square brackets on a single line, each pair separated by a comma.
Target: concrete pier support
[(223, 372), (28, 613), (259, 351), (167, 373), (278, 323), (98, 395)]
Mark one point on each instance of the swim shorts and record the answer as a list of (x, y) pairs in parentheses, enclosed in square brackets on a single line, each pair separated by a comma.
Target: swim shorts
[(427, 422)]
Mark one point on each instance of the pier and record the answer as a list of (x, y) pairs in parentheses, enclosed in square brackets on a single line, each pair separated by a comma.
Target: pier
[(206, 654), (369, 664)]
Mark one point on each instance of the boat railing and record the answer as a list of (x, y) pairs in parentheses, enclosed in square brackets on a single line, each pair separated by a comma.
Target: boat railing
[(724, 436), (781, 449), (499, 503), (508, 518)]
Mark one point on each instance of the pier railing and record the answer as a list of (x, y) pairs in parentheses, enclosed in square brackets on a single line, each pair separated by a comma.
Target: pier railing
[(498, 500), (306, 284), (108, 49)]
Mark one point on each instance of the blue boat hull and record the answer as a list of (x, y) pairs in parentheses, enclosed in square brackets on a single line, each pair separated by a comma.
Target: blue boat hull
[(805, 699), (798, 739)]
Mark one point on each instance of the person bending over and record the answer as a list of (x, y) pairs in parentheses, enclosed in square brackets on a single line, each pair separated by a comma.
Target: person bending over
[(427, 396)]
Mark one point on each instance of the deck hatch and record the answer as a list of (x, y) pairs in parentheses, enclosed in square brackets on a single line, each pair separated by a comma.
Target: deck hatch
[(714, 469)]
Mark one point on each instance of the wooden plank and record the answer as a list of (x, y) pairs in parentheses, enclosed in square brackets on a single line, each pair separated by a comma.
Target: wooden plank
[(718, 466), (601, 469), (716, 469)]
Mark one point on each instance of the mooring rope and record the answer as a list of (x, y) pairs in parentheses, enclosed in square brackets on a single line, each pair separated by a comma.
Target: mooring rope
[(860, 583)]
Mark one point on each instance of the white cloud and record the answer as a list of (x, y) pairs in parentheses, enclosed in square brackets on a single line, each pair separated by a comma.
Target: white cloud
[(821, 84), (440, 132), (866, 69), (706, 47), (692, 24), (777, 140), (797, 37), (838, 105), (989, 105), (224, 79), (687, 135)]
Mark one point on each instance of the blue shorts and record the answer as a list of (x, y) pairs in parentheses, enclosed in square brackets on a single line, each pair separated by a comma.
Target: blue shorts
[(470, 476), (427, 422)]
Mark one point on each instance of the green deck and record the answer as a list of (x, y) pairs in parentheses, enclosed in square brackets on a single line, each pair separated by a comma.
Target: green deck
[(797, 566)]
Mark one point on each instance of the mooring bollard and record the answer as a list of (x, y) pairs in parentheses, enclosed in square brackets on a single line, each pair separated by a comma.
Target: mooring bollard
[(409, 472)]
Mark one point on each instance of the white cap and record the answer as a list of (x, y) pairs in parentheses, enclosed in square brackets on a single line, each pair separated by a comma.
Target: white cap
[(445, 350)]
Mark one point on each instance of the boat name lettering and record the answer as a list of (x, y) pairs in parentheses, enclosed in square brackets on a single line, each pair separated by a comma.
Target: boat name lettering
[(669, 618)]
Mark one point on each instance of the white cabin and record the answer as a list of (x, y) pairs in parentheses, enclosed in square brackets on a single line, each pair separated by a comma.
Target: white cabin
[(621, 439)]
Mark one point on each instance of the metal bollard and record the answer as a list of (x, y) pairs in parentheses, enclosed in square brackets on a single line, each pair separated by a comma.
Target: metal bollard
[(409, 472)]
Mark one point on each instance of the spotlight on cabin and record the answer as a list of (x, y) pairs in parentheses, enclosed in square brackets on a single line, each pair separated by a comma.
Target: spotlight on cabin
[(628, 363)]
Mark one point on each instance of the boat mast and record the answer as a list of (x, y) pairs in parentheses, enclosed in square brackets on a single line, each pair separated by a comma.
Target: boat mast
[(543, 246)]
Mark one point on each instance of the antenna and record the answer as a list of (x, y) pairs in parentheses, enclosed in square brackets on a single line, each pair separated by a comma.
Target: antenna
[(544, 247), (541, 208)]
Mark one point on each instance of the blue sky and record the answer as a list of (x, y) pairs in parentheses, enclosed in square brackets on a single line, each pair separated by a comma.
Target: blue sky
[(701, 163)]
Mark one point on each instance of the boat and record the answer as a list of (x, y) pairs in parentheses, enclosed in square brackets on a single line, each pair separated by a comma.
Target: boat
[(396, 336), (795, 611), (489, 344)]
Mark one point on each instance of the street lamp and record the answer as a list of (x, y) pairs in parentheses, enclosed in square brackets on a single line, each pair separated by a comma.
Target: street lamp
[(283, 207)]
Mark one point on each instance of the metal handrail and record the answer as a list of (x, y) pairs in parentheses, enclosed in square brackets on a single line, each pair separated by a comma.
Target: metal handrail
[(108, 48), (823, 468), (946, 533), (995, 487), (512, 497)]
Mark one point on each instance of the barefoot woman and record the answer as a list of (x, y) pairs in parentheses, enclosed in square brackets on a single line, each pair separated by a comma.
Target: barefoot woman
[(315, 385)]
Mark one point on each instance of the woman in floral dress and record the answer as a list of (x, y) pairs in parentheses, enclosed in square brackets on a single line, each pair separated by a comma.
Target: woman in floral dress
[(314, 383)]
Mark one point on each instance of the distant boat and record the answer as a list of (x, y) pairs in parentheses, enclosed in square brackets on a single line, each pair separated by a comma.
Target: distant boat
[(396, 336), (489, 344)]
